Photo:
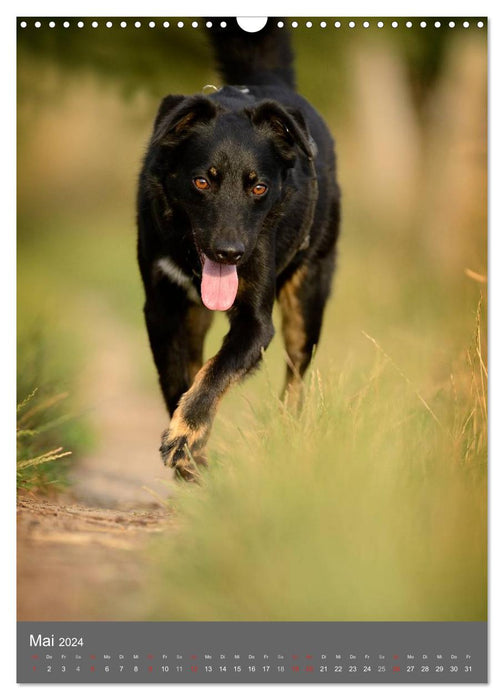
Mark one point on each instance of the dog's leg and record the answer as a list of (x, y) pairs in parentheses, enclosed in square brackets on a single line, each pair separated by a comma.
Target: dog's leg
[(177, 329), (198, 322), (302, 299), (250, 332)]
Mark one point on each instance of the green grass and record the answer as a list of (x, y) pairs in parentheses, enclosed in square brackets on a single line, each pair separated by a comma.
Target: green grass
[(36, 465), (370, 506), (48, 428)]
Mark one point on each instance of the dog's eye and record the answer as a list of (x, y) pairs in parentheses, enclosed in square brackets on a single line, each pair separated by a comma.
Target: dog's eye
[(259, 189), (200, 183)]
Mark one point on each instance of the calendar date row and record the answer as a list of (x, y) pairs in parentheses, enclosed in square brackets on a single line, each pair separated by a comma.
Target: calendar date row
[(253, 668)]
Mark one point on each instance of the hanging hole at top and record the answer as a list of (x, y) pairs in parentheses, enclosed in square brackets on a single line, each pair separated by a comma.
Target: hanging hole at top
[(251, 24)]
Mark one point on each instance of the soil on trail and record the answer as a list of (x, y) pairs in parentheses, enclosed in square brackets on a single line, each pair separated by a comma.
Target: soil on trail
[(80, 550), (73, 560)]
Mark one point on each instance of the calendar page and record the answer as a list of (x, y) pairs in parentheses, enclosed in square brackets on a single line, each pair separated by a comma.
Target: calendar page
[(252, 350)]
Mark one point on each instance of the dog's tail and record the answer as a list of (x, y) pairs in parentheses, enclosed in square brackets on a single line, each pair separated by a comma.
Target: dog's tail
[(260, 58)]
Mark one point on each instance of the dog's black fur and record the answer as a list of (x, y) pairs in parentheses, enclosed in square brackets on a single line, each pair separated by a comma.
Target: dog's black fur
[(235, 140)]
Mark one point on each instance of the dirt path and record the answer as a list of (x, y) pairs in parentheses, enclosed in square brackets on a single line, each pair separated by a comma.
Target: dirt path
[(70, 556), (73, 548)]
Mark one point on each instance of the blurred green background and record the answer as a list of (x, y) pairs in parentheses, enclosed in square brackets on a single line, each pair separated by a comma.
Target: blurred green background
[(373, 504)]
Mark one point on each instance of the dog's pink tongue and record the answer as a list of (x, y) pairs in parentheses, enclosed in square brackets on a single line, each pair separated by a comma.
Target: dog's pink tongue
[(219, 285)]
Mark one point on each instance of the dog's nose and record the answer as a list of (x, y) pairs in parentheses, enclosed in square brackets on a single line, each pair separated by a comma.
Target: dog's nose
[(229, 253)]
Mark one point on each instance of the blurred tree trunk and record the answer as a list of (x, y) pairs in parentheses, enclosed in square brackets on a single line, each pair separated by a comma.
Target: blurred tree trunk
[(452, 214), (386, 134)]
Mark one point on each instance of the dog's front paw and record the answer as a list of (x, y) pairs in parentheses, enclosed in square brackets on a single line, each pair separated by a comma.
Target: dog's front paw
[(181, 449)]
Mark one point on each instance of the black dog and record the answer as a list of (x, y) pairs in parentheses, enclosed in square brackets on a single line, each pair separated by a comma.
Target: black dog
[(237, 204)]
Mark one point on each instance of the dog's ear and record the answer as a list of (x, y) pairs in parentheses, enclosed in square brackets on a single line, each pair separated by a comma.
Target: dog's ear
[(167, 105), (288, 128), (177, 115)]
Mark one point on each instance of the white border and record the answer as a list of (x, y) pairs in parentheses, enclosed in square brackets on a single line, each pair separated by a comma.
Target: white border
[(258, 8), (151, 8)]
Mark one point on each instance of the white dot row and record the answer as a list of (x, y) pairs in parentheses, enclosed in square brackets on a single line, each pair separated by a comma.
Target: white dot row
[(380, 24), (294, 24), (123, 24)]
